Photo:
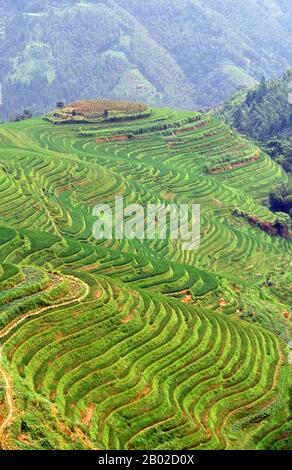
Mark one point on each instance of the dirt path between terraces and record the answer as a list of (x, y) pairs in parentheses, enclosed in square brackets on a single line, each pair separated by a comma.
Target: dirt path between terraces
[(7, 329)]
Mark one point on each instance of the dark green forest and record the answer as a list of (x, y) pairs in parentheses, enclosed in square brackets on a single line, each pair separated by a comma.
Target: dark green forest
[(264, 114)]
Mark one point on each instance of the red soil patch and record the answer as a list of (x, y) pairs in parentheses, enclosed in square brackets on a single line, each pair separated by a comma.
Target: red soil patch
[(274, 229), (287, 314), (129, 317), (57, 337), (90, 267), (88, 416), (62, 189), (144, 393), (2, 412), (98, 294), (222, 303), (214, 386), (24, 439), (285, 435), (232, 166), (185, 415), (169, 196), (82, 183), (187, 298)]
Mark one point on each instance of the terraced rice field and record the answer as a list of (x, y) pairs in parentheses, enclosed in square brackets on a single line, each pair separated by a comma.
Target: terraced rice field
[(128, 344)]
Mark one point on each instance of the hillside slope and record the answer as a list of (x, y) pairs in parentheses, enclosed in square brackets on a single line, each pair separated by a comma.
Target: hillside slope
[(264, 113), (185, 54), (130, 344)]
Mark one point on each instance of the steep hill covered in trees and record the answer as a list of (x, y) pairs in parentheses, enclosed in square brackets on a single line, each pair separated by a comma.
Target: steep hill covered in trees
[(264, 113)]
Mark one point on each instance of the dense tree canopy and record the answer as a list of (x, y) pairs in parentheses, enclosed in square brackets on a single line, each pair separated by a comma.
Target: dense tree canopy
[(264, 113)]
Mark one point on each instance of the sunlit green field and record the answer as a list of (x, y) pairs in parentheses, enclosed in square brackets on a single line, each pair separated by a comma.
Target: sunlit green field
[(128, 344)]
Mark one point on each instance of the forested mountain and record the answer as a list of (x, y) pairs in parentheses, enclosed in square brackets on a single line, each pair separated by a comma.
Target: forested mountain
[(187, 54), (264, 113)]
